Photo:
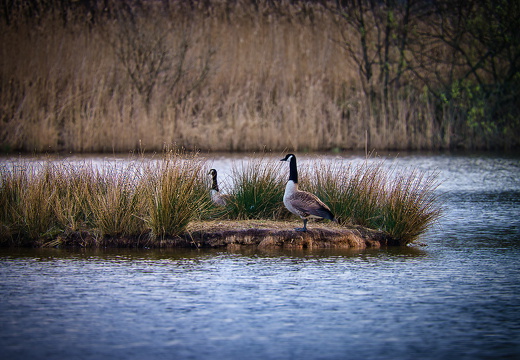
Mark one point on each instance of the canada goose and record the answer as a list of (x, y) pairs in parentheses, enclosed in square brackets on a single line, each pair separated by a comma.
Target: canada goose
[(217, 198), (302, 203)]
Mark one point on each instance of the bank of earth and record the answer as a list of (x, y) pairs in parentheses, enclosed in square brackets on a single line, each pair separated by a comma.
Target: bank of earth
[(233, 234)]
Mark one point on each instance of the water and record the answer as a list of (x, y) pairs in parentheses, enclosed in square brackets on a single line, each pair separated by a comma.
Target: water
[(457, 298)]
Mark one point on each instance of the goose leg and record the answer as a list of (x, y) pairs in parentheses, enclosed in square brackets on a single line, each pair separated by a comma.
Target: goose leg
[(304, 228)]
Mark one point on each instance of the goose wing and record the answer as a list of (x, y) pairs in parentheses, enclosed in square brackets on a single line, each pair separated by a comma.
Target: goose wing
[(308, 204)]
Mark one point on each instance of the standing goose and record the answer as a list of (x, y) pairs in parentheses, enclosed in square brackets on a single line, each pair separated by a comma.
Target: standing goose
[(302, 203), (217, 198)]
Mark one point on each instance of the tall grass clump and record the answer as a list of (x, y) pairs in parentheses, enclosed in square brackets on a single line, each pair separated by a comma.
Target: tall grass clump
[(74, 187), (352, 192), (42, 202), (176, 193), (400, 203), (411, 205), (115, 202), (257, 191), (27, 199)]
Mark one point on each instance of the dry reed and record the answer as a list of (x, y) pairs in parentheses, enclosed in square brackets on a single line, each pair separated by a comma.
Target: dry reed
[(225, 78), (158, 198), (176, 193), (402, 203)]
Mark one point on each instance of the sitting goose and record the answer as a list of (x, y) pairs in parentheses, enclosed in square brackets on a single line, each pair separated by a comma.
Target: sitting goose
[(217, 198), (302, 203)]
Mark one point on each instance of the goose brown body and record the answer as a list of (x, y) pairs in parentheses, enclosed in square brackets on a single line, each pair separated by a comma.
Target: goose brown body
[(302, 203)]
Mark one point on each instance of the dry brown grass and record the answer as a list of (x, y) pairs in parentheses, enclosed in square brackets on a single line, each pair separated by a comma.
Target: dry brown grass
[(223, 76), (40, 201), (403, 203), (272, 81)]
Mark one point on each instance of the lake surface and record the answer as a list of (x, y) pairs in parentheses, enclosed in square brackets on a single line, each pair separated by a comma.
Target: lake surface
[(456, 298)]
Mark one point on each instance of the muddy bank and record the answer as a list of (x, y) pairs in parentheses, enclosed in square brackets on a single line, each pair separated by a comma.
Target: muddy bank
[(234, 235), (277, 235), (273, 238)]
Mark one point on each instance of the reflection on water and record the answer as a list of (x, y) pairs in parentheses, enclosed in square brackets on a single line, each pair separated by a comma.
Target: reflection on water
[(457, 298)]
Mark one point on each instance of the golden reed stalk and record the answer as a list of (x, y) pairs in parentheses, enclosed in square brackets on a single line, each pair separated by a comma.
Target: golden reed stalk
[(228, 80)]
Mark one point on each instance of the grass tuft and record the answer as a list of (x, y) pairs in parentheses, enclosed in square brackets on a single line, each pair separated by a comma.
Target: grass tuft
[(40, 201), (402, 203), (257, 191), (176, 193), (352, 192), (27, 198), (411, 205), (115, 202)]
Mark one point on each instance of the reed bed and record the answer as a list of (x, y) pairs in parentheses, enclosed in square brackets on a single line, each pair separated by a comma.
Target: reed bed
[(220, 76), (148, 201)]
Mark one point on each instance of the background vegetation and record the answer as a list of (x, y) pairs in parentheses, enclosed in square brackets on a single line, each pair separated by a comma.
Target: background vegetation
[(107, 75)]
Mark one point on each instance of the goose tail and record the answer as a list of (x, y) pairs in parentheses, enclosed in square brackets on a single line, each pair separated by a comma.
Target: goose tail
[(330, 216)]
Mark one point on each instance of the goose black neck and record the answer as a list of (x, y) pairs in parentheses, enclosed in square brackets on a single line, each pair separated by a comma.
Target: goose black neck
[(214, 185), (293, 170)]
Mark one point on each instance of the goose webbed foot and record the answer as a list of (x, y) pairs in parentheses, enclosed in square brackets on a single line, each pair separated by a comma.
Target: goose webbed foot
[(304, 228)]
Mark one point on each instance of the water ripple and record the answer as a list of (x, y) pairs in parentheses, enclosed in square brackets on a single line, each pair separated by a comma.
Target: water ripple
[(458, 297)]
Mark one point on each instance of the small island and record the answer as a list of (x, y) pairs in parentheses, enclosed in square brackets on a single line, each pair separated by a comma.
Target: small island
[(167, 203), (234, 235)]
